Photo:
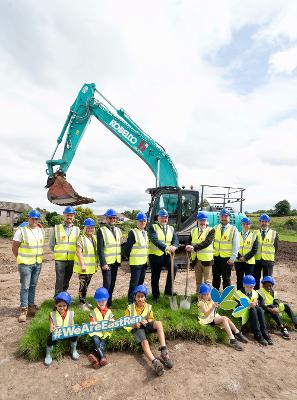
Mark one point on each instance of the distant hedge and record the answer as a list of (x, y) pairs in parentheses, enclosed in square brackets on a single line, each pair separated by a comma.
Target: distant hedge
[(6, 231)]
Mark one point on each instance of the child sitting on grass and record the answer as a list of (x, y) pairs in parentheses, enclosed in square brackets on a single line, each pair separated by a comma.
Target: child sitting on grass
[(268, 301), (209, 316), (101, 312), (61, 316), (256, 313), (147, 326)]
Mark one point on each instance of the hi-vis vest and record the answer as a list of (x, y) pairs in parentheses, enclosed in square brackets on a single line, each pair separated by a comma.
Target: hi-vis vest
[(65, 246), (96, 314), (89, 253), (139, 251), (112, 245), (266, 250), (246, 246), (204, 254), (223, 244), (161, 236), (238, 294), (58, 321), (31, 247), (269, 298), (145, 312), (203, 319)]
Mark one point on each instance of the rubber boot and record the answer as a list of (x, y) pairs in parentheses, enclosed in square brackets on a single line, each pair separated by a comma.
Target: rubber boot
[(48, 356), (23, 315), (74, 353)]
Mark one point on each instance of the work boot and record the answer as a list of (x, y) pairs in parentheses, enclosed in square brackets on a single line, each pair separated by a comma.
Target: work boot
[(268, 339), (48, 356), (165, 357), (240, 337), (261, 340), (285, 333), (235, 344), (32, 310), (23, 315), (158, 367), (73, 352), (94, 361)]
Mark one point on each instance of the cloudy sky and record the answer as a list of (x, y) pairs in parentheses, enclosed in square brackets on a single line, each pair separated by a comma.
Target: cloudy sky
[(214, 82)]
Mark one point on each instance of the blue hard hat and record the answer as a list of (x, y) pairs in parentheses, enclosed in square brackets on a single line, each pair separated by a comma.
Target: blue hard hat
[(245, 220), (163, 213), (204, 288), (141, 217), (224, 211), (249, 280), (89, 222), (268, 279), (63, 296), (111, 213), (69, 210), (264, 217), (25, 223), (34, 214), (141, 289), (201, 216), (101, 294)]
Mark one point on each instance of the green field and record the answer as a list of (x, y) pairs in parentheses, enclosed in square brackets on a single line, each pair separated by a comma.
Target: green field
[(278, 223)]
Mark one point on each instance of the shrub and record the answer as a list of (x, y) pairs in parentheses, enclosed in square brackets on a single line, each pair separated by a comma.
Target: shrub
[(6, 231)]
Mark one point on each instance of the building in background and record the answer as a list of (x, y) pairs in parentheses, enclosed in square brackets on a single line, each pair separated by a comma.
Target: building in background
[(10, 212)]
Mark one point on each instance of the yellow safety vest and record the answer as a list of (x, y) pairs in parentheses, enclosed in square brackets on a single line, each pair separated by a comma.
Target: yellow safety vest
[(139, 251), (268, 298), (96, 314), (238, 294), (162, 238), (246, 246), (89, 253), (65, 246), (223, 244), (204, 254), (112, 245), (202, 318), (31, 247), (145, 312), (58, 321), (266, 250)]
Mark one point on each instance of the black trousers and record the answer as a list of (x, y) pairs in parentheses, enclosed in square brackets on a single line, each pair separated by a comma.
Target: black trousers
[(64, 270), (278, 318), (84, 281), (266, 267), (242, 269), (50, 342), (257, 322), (156, 263), (109, 280), (220, 269)]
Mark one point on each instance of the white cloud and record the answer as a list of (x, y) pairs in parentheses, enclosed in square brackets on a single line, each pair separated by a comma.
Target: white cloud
[(284, 61)]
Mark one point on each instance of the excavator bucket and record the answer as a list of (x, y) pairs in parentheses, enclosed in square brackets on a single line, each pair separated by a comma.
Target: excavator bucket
[(62, 193)]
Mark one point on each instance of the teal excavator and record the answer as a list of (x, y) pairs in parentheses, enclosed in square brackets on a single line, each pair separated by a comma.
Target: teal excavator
[(182, 204)]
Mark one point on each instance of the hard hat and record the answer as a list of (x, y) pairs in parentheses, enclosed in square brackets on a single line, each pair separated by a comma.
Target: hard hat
[(101, 294), (204, 288), (224, 211), (141, 289), (63, 296), (69, 210), (141, 217), (89, 222), (111, 213), (268, 279), (249, 280), (25, 223), (264, 217), (246, 220), (201, 216), (34, 214), (163, 213)]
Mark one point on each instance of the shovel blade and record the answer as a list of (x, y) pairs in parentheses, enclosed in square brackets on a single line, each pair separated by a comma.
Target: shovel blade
[(173, 303), (185, 303)]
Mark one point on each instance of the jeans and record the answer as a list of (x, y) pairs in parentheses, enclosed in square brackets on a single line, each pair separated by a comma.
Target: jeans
[(109, 280), (98, 346), (156, 263), (29, 275), (64, 270), (137, 278)]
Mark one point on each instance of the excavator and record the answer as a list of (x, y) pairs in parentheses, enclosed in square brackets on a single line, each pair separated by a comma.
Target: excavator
[(182, 204)]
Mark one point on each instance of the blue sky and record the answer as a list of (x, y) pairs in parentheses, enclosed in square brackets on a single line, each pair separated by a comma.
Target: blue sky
[(214, 83)]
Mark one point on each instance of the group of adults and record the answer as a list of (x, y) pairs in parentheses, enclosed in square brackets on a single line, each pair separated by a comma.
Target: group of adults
[(214, 252)]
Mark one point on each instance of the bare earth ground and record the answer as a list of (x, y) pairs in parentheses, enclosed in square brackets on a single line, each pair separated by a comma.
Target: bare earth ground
[(212, 372)]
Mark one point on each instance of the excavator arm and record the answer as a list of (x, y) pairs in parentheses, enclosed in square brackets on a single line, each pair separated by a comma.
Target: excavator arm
[(121, 125)]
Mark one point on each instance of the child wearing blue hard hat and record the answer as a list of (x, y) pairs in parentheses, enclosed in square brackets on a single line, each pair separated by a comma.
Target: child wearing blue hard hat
[(61, 316), (98, 358), (272, 306), (207, 315), (256, 314), (147, 326)]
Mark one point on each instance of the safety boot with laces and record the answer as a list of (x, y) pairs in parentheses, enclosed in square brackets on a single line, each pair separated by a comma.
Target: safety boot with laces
[(158, 367), (165, 357), (23, 315)]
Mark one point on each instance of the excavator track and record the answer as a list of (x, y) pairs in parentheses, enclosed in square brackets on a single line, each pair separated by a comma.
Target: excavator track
[(62, 193)]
